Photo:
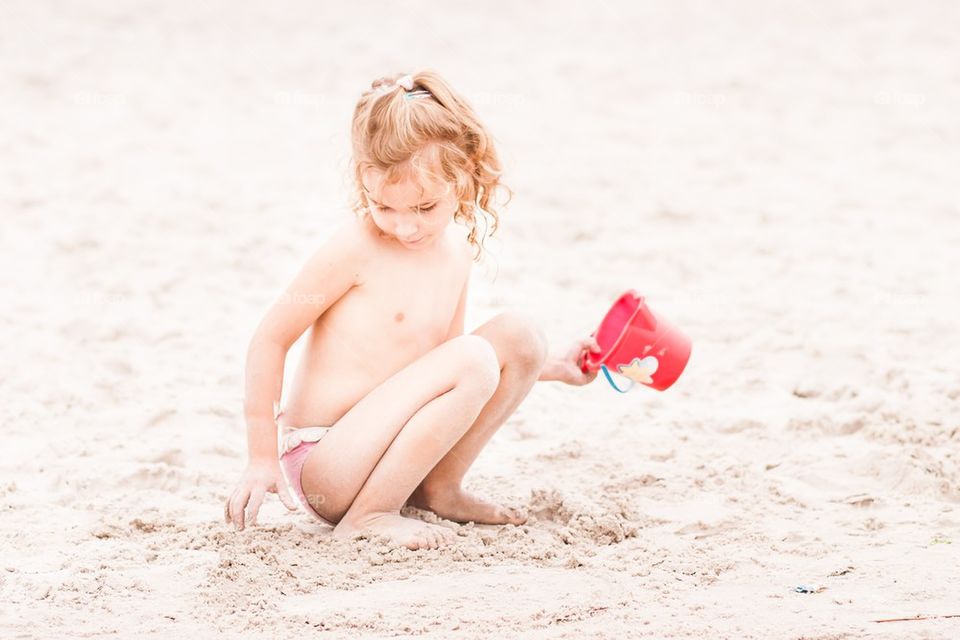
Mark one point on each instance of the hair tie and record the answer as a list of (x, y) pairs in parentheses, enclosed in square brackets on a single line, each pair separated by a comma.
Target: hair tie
[(406, 83), (419, 93)]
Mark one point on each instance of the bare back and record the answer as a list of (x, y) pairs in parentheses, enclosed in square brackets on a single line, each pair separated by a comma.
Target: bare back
[(402, 305)]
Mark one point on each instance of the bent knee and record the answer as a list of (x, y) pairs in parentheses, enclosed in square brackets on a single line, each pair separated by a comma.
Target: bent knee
[(525, 340), (478, 364)]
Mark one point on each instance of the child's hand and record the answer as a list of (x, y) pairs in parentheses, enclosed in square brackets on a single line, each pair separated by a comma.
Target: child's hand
[(257, 479), (566, 368)]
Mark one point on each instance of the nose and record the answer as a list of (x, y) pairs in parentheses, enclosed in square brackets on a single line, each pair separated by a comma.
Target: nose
[(406, 229)]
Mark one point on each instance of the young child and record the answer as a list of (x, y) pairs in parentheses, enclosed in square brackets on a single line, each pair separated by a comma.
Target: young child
[(391, 402)]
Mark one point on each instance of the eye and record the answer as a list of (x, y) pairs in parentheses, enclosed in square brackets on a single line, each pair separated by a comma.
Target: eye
[(430, 208)]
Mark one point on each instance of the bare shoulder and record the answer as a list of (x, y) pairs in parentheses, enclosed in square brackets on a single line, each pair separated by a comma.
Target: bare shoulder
[(329, 273), (336, 265), (347, 246), (351, 234)]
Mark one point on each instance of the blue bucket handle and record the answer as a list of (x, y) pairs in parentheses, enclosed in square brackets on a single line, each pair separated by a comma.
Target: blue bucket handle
[(613, 384)]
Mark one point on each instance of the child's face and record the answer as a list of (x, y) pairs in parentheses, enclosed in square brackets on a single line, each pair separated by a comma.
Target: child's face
[(413, 213)]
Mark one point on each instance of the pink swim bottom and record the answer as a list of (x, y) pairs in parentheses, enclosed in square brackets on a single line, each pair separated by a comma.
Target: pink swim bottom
[(295, 445)]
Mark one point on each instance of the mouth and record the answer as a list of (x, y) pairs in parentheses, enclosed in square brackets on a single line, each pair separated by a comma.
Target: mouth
[(417, 241)]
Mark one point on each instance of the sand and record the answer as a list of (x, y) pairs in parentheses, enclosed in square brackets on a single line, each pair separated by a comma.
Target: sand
[(780, 180)]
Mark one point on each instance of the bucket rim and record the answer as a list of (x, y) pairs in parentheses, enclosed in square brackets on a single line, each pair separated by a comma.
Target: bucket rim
[(616, 343)]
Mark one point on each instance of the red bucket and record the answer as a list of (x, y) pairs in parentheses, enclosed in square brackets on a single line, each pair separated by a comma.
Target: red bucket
[(638, 345)]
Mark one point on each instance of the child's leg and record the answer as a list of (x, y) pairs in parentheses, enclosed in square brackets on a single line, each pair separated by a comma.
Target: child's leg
[(521, 350), (363, 470)]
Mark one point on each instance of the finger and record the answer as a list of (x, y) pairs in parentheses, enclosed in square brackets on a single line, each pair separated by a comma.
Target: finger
[(256, 499), (580, 343), (590, 344), (237, 506), (577, 350), (285, 498), (226, 509), (580, 378)]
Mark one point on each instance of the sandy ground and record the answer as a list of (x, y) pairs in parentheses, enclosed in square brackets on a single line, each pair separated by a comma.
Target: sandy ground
[(780, 181)]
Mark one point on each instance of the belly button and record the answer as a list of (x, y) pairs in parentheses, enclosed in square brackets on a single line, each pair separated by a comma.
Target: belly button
[(398, 317)]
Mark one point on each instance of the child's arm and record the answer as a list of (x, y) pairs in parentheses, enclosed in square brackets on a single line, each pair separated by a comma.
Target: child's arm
[(323, 280)]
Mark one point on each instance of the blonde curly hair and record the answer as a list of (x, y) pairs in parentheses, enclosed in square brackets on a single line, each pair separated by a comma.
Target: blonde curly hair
[(396, 125)]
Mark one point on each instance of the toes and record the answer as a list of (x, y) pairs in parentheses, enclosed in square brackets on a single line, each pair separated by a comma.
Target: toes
[(435, 537), (513, 515), (416, 543), (447, 535), (519, 516), (504, 514)]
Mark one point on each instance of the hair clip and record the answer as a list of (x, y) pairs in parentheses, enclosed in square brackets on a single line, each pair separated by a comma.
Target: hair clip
[(419, 93), (404, 82)]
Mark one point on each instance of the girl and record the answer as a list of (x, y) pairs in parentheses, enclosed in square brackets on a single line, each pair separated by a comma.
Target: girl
[(391, 402)]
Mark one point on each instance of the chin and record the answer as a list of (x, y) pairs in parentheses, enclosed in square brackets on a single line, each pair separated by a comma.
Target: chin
[(422, 242)]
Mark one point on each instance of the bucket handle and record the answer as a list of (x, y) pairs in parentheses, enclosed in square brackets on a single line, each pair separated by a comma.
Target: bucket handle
[(606, 372), (613, 384)]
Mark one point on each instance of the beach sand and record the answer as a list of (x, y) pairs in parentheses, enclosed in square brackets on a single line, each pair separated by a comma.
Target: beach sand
[(779, 180)]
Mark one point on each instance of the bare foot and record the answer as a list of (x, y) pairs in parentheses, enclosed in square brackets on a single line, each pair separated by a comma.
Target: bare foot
[(453, 503), (406, 532)]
